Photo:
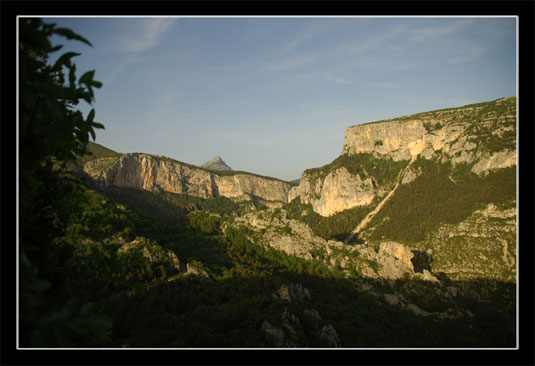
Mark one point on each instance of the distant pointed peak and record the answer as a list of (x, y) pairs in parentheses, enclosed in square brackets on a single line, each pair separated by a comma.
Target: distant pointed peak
[(216, 164)]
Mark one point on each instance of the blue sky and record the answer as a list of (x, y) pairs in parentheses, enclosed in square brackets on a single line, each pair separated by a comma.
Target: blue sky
[(274, 95)]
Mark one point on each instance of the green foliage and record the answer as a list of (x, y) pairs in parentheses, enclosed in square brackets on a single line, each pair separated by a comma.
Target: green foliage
[(493, 126), (242, 247), (433, 199), (72, 326), (51, 131), (88, 215), (225, 206), (168, 205), (228, 308), (95, 151), (430, 127), (150, 203), (49, 125), (205, 222)]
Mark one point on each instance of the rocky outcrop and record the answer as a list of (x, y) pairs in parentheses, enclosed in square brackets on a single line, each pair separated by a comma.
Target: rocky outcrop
[(329, 336), (399, 139), (499, 160), (337, 192), (427, 276), (282, 335), (398, 251), (156, 173), (393, 261), (482, 246), (288, 331), (275, 229), (272, 228), (293, 291), (152, 252)]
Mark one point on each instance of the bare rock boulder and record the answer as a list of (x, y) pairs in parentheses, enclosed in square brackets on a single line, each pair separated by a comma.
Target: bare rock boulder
[(293, 291), (330, 337), (398, 251)]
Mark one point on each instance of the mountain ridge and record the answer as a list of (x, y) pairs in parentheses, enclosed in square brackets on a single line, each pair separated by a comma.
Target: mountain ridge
[(481, 135), (160, 173)]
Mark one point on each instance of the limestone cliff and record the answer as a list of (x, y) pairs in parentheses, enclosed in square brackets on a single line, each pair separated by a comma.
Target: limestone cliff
[(157, 173), (482, 135), (338, 191), (466, 134)]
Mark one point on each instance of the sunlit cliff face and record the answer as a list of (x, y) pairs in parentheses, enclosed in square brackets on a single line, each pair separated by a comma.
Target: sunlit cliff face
[(151, 173)]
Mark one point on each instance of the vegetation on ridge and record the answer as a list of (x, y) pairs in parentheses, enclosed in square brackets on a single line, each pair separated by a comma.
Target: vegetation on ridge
[(469, 113), (383, 170), (441, 194), (154, 304), (95, 151)]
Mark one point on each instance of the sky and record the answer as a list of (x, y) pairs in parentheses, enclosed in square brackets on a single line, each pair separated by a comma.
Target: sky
[(274, 95)]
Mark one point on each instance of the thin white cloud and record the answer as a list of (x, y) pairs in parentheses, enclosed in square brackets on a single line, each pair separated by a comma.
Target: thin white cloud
[(339, 80), (383, 85), (471, 55), (288, 57), (306, 34), (290, 63), (420, 34), (377, 41), (406, 34), (149, 34)]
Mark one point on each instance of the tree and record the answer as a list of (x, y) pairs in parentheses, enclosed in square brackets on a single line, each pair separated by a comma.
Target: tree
[(49, 124), (51, 129)]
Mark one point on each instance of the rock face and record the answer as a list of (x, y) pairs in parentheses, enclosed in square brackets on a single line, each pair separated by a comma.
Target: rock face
[(338, 191), (398, 251), (155, 173), (393, 261), (483, 135), (329, 336), (293, 291), (216, 164), (399, 139), (275, 229), (453, 132)]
